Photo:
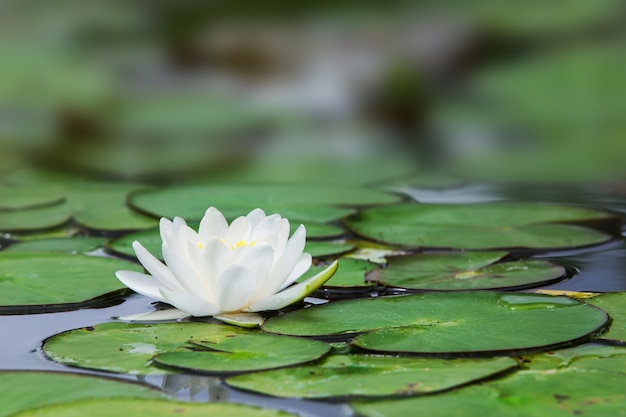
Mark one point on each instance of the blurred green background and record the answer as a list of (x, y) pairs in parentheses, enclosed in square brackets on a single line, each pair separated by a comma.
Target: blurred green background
[(326, 91)]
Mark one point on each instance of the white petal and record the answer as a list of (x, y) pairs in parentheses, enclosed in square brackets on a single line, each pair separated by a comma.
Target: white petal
[(191, 304), (239, 230), (265, 228), (235, 287), (158, 315), (290, 257), (185, 274), (303, 265), (282, 230), (255, 217), (259, 260), (212, 224), (159, 271), (141, 283), (165, 227), (216, 258), (187, 235), (295, 293)]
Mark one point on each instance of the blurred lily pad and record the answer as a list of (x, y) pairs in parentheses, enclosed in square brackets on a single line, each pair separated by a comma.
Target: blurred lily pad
[(77, 244), (371, 376), (23, 390), (298, 203), (35, 282), (242, 353), (484, 225), (465, 271), (129, 348), (448, 322), (319, 249), (94, 204), (114, 407)]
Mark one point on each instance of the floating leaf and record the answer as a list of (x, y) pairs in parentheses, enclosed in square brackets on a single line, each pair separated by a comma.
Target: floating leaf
[(94, 204), (241, 353), (319, 249), (129, 348), (115, 407), (310, 203), (589, 387), (465, 271), (28, 389), (372, 376), (615, 305), (483, 225), (448, 322), (44, 281), (78, 244), (351, 273)]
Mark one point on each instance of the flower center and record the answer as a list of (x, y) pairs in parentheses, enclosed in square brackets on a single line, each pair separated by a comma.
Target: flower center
[(240, 244)]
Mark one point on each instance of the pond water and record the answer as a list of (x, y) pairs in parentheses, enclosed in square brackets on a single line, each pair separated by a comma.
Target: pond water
[(595, 269)]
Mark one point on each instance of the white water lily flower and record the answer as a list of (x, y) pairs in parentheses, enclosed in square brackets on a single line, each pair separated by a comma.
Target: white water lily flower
[(225, 270)]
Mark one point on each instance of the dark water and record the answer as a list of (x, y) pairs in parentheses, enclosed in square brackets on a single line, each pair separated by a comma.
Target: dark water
[(596, 269)]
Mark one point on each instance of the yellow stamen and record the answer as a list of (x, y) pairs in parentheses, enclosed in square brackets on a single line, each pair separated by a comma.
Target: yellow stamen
[(200, 245), (244, 243), (240, 244)]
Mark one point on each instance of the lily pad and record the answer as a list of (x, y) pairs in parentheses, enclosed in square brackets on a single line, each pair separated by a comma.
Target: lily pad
[(484, 225), (351, 273), (371, 376), (615, 305), (29, 389), (36, 282), (465, 271), (18, 198), (242, 353), (94, 204), (319, 249), (115, 407), (449, 322), (77, 244), (589, 386), (298, 203), (129, 348)]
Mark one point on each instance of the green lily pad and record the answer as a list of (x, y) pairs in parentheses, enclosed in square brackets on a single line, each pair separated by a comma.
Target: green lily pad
[(571, 356), (319, 249), (556, 393), (242, 353), (94, 204), (448, 322), (78, 244), (371, 376), (615, 305), (17, 198), (114, 407), (351, 273), (22, 390), (129, 348), (483, 226), (465, 271), (298, 203), (44, 281), (590, 386)]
